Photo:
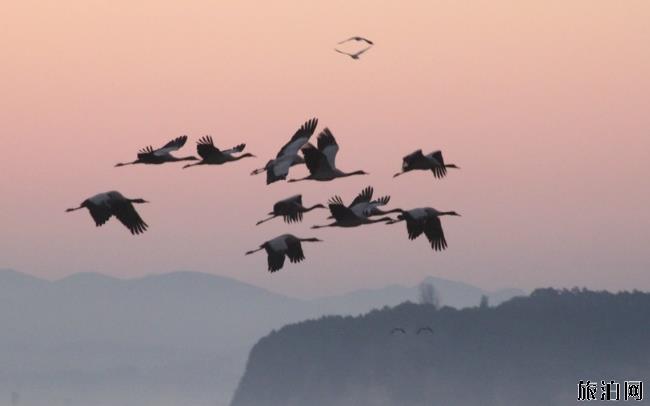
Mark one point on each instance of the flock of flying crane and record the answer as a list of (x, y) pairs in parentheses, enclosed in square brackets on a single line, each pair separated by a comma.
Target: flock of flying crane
[(320, 161)]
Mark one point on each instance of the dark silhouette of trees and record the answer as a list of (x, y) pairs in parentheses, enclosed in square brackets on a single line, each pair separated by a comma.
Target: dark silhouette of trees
[(527, 351), (427, 294), (485, 302)]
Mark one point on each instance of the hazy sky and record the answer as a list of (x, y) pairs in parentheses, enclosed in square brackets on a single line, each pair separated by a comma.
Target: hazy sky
[(543, 104)]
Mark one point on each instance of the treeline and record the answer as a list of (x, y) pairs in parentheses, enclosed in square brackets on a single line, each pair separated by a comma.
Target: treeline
[(528, 351)]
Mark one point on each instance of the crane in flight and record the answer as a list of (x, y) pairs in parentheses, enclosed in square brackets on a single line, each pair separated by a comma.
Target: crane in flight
[(151, 156), (278, 168), (104, 205), (212, 155), (286, 245)]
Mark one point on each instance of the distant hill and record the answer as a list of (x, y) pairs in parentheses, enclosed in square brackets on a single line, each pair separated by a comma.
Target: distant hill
[(527, 351), (185, 334), (451, 293)]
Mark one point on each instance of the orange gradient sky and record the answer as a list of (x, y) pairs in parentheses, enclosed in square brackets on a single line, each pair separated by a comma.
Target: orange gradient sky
[(543, 104)]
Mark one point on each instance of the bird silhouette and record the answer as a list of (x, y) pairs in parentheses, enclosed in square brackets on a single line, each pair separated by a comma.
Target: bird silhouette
[(418, 161), (398, 330), (357, 38), (291, 209), (355, 55), (425, 329), (104, 205), (278, 168), (321, 161), (363, 204), (425, 220), (346, 216), (211, 155), (284, 245), (151, 156)]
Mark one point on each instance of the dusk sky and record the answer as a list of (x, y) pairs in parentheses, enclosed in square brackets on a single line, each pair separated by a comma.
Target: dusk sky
[(545, 105)]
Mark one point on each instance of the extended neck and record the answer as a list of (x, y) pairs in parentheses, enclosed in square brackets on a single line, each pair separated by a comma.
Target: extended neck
[(254, 251), (187, 158), (194, 164), (74, 208), (300, 179), (137, 161), (397, 210), (325, 225), (380, 220), (237, 158), (343, 175), (316, 206), (271, 217), (312, 239)]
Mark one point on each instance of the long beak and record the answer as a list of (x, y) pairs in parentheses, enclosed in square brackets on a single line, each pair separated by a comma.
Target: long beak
[(397, 174), (258, 171), (252, 251)]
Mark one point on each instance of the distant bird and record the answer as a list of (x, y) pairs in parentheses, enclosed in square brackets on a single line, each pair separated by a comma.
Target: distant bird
[(346, 216), (364, 205), (291, 209), (356, 38), (321, 161), (425, 220), (213, 156), (355, 55), (104, 205), (278, 247), (148, 155), (424, 329), (418, 161), (278, 168), (398, 330)]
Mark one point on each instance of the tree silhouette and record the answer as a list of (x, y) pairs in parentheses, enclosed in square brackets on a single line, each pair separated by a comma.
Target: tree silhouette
[(427, 294)]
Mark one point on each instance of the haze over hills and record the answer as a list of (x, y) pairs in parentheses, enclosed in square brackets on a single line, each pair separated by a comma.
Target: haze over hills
[(172, 338), (529, 351)]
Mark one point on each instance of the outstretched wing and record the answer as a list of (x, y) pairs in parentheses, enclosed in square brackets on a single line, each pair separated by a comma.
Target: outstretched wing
[(363, 197), (362, 51), (126, 214), (275, 261), (289, 209), (299, 139), (314, 158), (146, 152), (206, 149), (100, 214), (339, 211), (414, 228), (356, 38), (294, 250), (278, 169), (237, 148), (293, 217), (382, 201), (412, 158), (434, 233), (328, 146), (439, 170), (173, 145), (341, 52)]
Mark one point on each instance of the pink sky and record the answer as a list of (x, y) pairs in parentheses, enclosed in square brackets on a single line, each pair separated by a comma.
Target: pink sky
[(543, 104)]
